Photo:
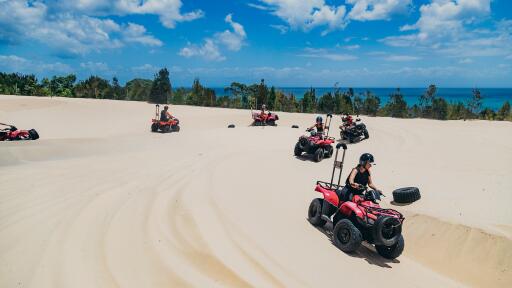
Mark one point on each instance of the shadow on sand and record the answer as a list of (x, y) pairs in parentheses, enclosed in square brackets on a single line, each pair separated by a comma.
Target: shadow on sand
[(366, 251)]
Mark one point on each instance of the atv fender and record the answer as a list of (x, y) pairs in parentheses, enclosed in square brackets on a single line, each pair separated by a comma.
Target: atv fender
[(329, 195), (349, 207)]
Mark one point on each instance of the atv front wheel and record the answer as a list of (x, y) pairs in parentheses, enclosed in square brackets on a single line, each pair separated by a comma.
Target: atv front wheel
[(315, 212), (346, 236), (176, 128), (319, 155), (366, 134), (386, 230), (297, 151), (33, 135), (391, 252), (166, 128)]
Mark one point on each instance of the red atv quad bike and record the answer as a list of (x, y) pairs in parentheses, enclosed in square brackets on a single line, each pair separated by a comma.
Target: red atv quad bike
[(266, 119), (164, 126), (358, 219), (317, 144), (13, 134)]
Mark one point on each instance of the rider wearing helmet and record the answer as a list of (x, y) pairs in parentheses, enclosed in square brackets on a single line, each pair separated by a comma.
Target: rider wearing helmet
[(165, 115), (263, 112), (359, 178), (319, 125)]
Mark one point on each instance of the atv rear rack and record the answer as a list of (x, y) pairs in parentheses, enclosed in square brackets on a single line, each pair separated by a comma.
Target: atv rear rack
[(330, 186)]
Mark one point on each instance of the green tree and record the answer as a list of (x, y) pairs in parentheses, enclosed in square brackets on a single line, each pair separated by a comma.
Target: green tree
[(371, 104), (161, 90), (396, 107), (93, 87), (474, 103), (326, 103), (272, 98), (117, 90), (439, 109), (138, 89), (504, 112), (427, 100)]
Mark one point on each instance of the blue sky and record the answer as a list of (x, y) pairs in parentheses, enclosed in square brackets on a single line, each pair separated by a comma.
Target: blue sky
[(357, 43)]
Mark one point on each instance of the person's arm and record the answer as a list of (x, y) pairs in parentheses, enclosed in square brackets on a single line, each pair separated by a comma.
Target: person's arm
[(370, 183), (351, 179)]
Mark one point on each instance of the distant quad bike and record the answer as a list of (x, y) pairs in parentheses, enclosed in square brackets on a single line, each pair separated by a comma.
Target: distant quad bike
[(266, 119), (317, 144), (13, 134), (358, 219), (164, 126), (353, 131)]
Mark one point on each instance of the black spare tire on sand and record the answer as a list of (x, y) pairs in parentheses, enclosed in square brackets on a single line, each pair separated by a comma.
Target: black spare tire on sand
[(406, 195)]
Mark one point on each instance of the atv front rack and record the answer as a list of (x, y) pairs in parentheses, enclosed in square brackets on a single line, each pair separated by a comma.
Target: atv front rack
[(383, 211)]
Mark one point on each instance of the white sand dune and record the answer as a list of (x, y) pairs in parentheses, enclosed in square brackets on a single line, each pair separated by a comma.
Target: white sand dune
[(99, 201)]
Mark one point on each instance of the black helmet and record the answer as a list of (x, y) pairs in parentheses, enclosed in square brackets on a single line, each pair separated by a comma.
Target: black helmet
[(166, 107), (319, 119), (366, 157)]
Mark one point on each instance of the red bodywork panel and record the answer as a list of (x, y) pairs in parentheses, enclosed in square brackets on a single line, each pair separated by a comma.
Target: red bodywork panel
[(358, 205), (171, 122), (12, 135)]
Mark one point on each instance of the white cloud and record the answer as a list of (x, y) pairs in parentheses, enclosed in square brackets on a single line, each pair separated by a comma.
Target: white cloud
[(466, 61), (67, 33), (349, 47), (13, 63), (232, 40), (325, 54), (281, 28), (211, 48), (137, 33), (440, 20), (145, 68), (401, 58), (259, 7), (308, 14), (168, 11), (366, 10), (95, 67), (208, 50)]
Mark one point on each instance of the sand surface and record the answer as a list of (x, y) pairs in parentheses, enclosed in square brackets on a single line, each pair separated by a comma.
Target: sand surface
[(99, 201)]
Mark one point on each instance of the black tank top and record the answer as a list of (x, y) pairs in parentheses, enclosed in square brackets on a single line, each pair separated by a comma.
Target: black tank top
[(361, 178), (319, 128), (163, 116)]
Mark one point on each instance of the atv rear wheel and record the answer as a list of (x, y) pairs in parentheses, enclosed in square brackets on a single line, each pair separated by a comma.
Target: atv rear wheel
[(319, 155), (391, 252), (315, 212), (328, 151), (297, 151), (154, 127), (346, 236), (406, 195)]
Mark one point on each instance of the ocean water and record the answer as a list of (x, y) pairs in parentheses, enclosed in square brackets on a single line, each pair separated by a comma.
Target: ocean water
[(493, 98)]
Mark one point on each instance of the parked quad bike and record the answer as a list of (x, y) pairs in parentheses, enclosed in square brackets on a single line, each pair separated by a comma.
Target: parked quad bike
[(358, 219), (317, 144), (13, 134), (265, 119), (353, 131), (164, 126)]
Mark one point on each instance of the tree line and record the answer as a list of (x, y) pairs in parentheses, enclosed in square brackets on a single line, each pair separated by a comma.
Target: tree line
[(242, 96)]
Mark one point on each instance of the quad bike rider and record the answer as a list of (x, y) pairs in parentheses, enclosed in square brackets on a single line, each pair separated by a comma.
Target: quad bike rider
[(264, 117), (13, 134), (353, 131), (318, 143), (166, 122), (355, 211)]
